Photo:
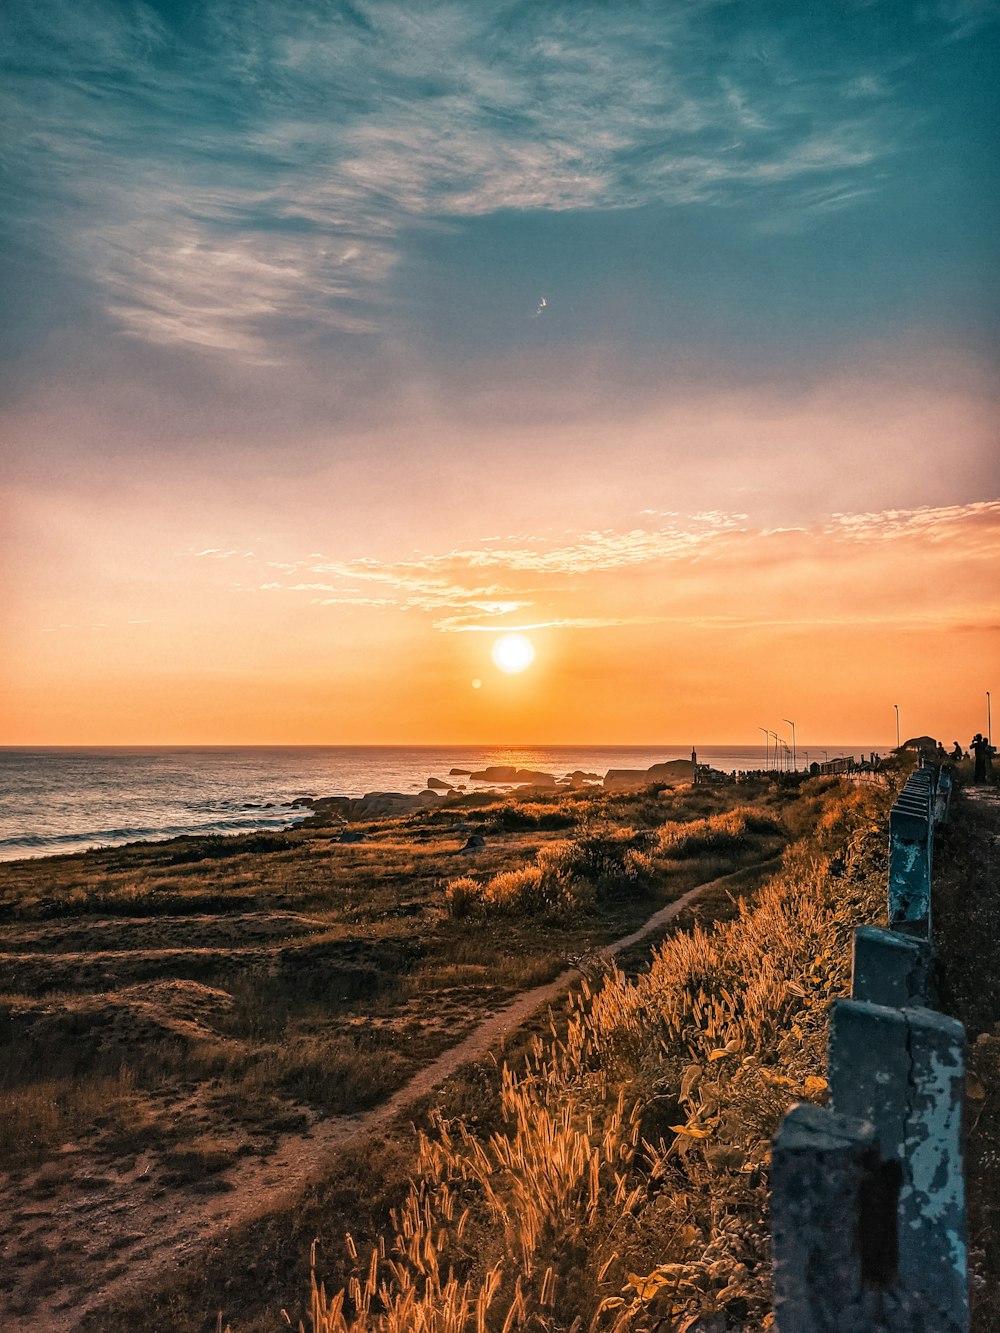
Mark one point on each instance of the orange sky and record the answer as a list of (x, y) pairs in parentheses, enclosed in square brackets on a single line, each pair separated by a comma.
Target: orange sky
[(339, 340), (149, 609)]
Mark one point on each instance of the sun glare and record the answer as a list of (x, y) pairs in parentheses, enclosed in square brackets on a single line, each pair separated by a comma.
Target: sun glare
[(513, 652)]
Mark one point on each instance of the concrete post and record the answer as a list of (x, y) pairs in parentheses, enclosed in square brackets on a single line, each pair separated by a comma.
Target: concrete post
[(910, 865), (904, 1071), (891, 969), (821, 1164)]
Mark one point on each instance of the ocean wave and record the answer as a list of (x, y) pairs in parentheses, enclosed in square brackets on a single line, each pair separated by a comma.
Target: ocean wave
[(60, 844)]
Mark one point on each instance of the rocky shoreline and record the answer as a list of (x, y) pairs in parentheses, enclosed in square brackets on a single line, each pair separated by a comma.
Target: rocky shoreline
[(497, 782)]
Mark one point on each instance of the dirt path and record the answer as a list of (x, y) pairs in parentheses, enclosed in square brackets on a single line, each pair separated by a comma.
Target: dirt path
[(147, 1238)]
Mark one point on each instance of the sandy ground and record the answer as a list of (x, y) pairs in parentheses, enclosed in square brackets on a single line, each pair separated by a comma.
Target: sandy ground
[(114, 1234)]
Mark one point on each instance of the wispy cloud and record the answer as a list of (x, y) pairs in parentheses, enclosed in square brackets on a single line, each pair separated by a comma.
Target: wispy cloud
[(243, 180), (711, 570)]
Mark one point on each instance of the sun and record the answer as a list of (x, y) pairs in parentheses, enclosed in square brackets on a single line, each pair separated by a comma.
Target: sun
[(513, 652)]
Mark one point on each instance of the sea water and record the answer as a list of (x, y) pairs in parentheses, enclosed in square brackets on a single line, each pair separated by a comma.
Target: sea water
[(66, 800)]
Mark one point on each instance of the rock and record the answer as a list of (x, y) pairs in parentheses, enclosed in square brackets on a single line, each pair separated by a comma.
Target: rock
[(475, 841), (671, 769), (327, 809), (387, 804), (495, 773), (435, 784), (578, 775), (626, 779), (529, 775), (460, 772), (351, 835)]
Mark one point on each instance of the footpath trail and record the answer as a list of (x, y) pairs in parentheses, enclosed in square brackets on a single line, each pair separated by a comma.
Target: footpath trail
[(170, 1232)]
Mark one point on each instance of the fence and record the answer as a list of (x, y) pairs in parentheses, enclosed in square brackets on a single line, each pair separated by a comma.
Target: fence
[(868, 1194)]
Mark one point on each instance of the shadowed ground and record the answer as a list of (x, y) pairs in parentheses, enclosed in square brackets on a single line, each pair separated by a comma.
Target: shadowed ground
[(967, 931)]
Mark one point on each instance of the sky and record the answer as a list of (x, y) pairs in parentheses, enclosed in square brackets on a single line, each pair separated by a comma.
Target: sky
[(340, 339)]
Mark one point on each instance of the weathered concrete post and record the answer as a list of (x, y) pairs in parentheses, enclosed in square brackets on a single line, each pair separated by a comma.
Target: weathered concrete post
[(823, 1169), (891, 969), (910, 833), (904, 1071)]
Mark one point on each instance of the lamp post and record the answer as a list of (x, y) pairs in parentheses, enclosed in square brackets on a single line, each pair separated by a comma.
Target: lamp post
[(774, 736), (989, 721), (767, 753), (795, 753), (896, 706)]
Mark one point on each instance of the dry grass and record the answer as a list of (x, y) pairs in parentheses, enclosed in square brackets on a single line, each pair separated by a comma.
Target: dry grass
[(165, 998), (626, 1187), (40, 1115), (715, 834)]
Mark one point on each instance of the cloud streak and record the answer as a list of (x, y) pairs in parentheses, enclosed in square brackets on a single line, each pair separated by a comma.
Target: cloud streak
[(247, 184), (714, 571)]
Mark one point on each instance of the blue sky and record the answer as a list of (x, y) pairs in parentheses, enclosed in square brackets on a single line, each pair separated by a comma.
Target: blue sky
[(354, 280), (278, 182)]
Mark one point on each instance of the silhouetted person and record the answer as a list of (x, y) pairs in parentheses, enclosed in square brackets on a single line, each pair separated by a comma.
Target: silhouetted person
[(956, 755), (981, 750)]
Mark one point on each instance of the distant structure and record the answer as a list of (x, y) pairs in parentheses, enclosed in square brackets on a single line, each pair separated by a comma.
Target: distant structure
[(925, 745)]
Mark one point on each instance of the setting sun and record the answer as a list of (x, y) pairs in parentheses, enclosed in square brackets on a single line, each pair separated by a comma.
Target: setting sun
[(513, 652)]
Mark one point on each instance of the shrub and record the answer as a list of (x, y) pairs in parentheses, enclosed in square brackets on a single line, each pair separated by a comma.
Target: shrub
[(462, 896), (524, 816), (717, 833), (613, 862), (530, 890)]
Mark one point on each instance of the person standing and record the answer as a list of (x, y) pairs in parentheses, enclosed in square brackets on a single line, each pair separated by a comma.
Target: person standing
[(981, 750)]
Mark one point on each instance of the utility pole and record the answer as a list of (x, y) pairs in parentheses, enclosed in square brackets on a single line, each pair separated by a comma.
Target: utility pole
[(896, 706)]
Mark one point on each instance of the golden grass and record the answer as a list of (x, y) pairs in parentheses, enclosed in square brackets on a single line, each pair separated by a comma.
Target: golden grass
[(716, 833), (627, 1187)]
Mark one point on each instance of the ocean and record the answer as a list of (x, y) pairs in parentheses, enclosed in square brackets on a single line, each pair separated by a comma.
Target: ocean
[(67, 800)]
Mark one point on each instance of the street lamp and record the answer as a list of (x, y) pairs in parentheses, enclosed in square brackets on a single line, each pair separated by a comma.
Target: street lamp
[(795, 753), (767, 753), (896, 706), (989, 722)]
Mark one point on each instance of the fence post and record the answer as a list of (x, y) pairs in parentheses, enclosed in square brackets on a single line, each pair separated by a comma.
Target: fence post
[(910, 864), (904, 1071), (826, 1259), (891, 969)]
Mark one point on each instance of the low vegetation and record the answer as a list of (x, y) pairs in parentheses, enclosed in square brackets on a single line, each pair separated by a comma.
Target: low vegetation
[(191, 1006), (626, 1185)]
